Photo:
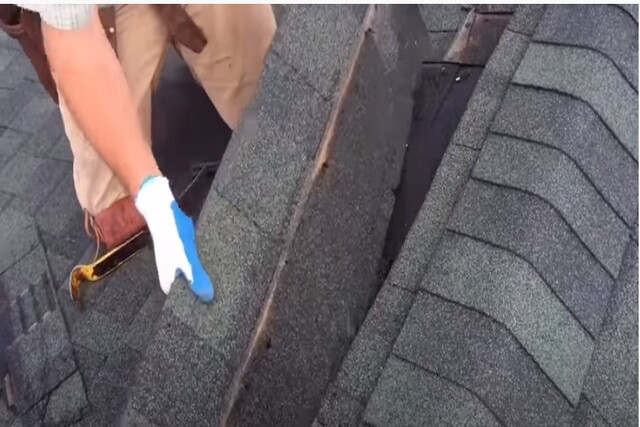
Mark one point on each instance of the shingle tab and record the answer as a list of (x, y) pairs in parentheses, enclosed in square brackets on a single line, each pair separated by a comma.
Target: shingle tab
[(551, 175), (340, 409), (587, 415), (612, 383), (631, 9), (263, 169), (490, 90), (442, 17), (525, 18), (407, 395), (532, 229), (321, 58), (68, 403), (366, 358), (178, 377), (423, 237), (463, 346), (534, 114), (590, 77), (19, 237), (604, 28), (31, 179), (506, 288)]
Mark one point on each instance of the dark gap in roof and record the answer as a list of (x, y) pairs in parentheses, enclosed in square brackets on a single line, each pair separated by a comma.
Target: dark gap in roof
[(189, 136), (439, 103)]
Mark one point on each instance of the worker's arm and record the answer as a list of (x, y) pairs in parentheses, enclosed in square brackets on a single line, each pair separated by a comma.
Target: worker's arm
[(94, 87), (95, 90)]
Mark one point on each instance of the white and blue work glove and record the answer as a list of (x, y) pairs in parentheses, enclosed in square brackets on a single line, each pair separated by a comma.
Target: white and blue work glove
[(173, 237)]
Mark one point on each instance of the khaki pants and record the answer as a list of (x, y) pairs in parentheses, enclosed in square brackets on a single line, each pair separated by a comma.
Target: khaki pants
[(228, 69)]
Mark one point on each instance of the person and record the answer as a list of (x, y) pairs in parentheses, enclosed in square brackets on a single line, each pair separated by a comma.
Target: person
[(104, 64)]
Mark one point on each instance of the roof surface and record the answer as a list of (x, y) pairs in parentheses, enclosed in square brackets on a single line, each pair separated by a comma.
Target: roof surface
[(514, 299)]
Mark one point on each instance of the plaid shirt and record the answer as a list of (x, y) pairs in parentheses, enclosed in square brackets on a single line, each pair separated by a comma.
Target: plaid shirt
[(63, 16)]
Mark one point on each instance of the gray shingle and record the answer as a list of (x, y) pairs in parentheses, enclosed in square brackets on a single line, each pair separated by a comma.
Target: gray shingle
[(123, 295), (604, 28), (529, 227), (240, 260), (264, 168), (339, 409), (18, 237), (119, 369), (33, 417), (612, 383), (6, 57), (450, 178), (60, 268), (40, 360), (179, 376), (98, 332), (370, 349), (525, 18), (507, 289), (141, 330), (407, 395), (31, 269), (89, 363), (468, 348), (534, 114), (320, 58), (490, 90), (61, 214), (551, 175), (631, 9), (5, 199), (590, 77), (45, 135), (587, 416), (442, 17), (69, 311), (34, 114), (10, 142), (31, 179), (61, 150), (68, 403)]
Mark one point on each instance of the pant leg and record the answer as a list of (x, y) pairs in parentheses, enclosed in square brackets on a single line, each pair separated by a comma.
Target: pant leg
[(142, 40), (229, 67)]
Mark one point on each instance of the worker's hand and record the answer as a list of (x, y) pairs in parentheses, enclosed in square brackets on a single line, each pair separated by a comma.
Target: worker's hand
[(173, 237)]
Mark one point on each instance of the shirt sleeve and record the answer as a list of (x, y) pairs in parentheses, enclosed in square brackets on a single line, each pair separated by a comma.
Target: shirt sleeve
[(63, 16)]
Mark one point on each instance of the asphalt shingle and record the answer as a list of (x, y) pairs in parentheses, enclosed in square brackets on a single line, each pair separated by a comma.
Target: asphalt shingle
[(438, 46), (178, 377), (32, 180), (410, 396), (40, 360), (442, 17), (141, 331), (35, 114), (339, 409), (98, 332), (604, 28), (631, 9), (470, 349), (551, 175), (612, 382), (30, 269), (240, 260), (490, 90), (534, 114), (370, 349), (590, 77), (526, 17), (10, 143), (587, 415), (19, 235), (61, 217), (89, 363), (45, 136), (506, 288), (68, 403), (264, 168), (423, 237), (319, 59), (529, 227)]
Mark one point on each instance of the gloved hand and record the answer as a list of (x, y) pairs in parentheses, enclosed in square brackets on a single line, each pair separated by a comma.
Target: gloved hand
[(173, 237)]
